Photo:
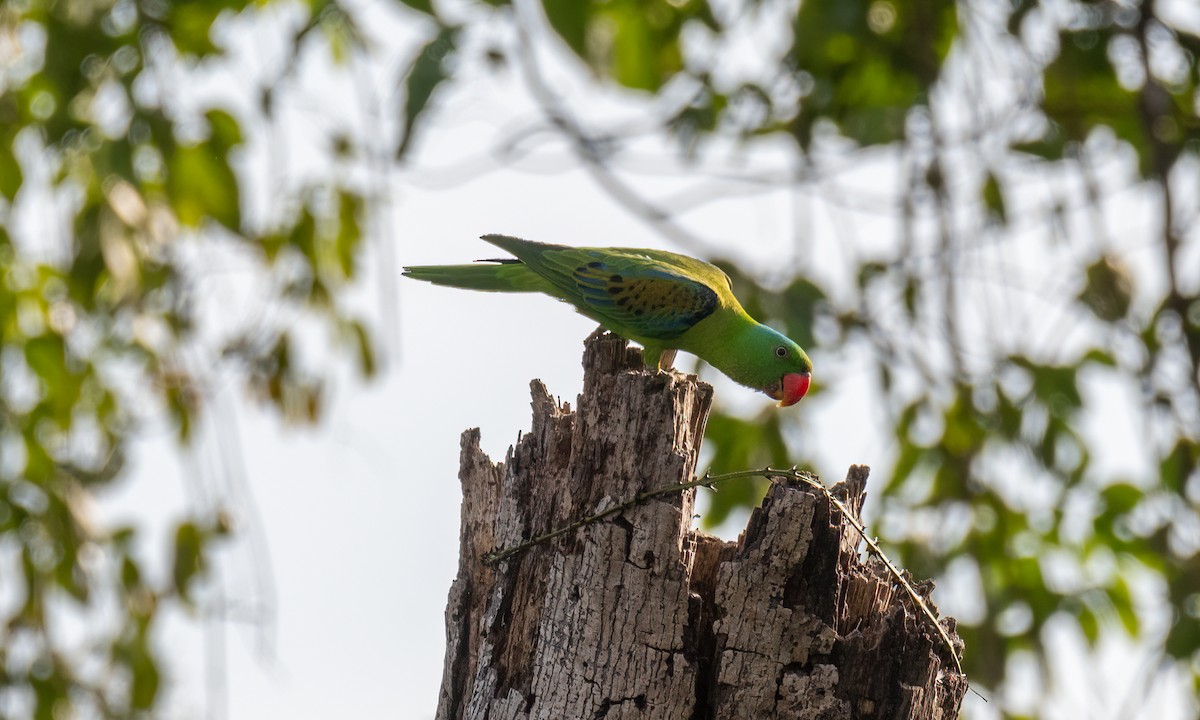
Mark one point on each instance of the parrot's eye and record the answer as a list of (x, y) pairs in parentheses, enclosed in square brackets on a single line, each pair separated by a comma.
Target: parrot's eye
[(781, 351)]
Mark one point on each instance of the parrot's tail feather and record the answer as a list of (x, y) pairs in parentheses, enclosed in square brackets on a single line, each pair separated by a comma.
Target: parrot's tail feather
[(504, 277)]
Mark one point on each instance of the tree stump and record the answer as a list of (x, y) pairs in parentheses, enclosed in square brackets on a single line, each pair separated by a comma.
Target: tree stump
[(639, 616)]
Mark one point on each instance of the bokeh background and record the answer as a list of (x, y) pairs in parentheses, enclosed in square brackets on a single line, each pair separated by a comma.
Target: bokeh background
[(229, 431)]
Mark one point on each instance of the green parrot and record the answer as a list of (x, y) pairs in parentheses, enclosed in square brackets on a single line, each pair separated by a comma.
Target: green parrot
[(662, 300)]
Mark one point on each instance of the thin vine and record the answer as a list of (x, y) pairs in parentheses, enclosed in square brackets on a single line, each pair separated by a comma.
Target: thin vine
[(712, 481)]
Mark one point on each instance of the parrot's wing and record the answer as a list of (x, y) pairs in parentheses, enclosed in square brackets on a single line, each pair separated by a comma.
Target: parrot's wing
[(649, 300), (647, 296)]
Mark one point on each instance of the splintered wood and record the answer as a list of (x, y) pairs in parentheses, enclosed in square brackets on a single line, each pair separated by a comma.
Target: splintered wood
[(638, 616)]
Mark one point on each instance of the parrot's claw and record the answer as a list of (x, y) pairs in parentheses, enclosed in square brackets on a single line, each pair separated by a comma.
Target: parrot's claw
[(666, 360)]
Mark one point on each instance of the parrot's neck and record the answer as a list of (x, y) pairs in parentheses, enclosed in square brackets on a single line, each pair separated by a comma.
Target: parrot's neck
[(738, 347)]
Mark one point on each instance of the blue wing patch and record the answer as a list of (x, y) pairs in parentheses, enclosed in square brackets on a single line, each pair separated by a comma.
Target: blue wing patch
[(650, 301)]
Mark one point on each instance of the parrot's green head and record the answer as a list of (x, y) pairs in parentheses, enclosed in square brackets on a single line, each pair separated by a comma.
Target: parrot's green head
[(777, 366)]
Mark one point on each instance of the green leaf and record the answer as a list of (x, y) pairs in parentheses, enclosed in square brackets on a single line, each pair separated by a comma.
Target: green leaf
[(1099, 357), (1109, 289), (868, 63), (964, 434), (304, 237), (908, 458), (189, 558), (203, 186), (131, 575), (1088, 623), (1122, 600), (271, 244), (39, 466), (190, 26), (361, 341), (421, 6), (640, 58), (569, 18), (634, 42), (1182, 461), (429, 70), (225, 131), (1054, 385), (46, 356), (868, 271), (1082, 91), (1051, 146), (1183, 638), (993, 199), (181, 406), (143, 689), (1122, 497), (10, 169), (349, 232), (911, 290)]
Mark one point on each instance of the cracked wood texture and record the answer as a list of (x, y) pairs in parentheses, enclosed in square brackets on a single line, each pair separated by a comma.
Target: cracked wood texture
[(638, 616)]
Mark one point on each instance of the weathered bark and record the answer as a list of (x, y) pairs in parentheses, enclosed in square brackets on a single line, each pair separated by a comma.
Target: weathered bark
[(641, 617)]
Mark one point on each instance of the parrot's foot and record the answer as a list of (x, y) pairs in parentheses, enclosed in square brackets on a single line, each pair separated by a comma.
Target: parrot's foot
[(666, 359), (658, 359)]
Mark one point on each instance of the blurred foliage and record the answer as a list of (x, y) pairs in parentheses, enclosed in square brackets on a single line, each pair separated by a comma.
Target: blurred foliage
[(636, 42), (101, 327), (429, 70), (865, 64)]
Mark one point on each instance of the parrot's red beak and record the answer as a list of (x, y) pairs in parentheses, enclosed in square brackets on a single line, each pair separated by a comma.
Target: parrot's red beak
[(792, 387)]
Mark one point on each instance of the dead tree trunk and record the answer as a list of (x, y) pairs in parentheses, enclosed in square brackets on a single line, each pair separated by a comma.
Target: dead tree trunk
[(638, 616)]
